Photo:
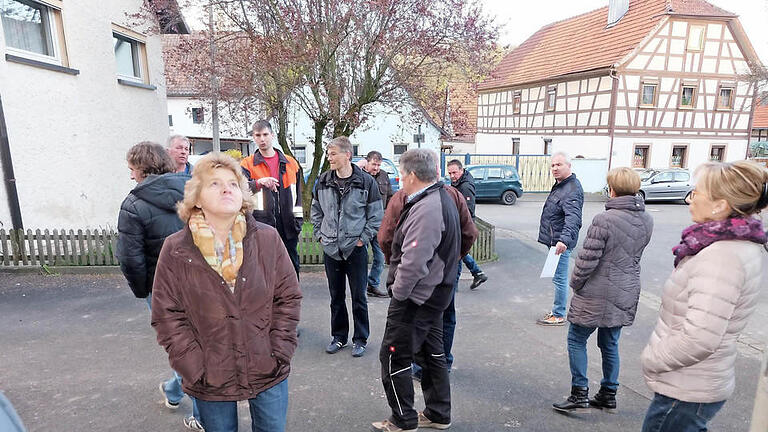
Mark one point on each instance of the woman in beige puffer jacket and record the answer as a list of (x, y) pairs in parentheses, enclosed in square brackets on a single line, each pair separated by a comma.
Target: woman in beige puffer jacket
[(689, 360)]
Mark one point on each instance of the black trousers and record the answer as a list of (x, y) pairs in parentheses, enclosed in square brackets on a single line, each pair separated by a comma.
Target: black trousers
[(414, 332), (290, 245), (355, 270)]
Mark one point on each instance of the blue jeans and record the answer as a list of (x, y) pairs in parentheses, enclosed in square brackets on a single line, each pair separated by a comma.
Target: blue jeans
[(666, 414), (377, 266), (471, 265), (172, 387), (268, 412), (560, 280), (608, 341)]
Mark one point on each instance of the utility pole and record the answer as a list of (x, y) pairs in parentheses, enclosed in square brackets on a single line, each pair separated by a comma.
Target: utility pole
[(214, 84)]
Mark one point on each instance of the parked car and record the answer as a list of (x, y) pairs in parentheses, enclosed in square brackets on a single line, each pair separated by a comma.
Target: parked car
[(645, 173), (667, 185), (391, 169), (496, 182)]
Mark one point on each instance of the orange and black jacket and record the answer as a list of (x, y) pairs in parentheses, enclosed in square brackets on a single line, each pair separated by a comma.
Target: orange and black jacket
[(288, 216)]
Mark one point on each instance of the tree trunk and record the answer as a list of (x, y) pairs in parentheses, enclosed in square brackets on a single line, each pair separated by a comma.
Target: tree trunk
[(306, 198), (282, 129)]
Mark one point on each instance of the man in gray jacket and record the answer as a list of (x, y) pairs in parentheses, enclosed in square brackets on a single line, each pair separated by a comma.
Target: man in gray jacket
[(346, 214), (423, 267)]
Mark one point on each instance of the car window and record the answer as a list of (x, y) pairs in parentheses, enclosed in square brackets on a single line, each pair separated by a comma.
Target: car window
[(510, 174), (477, 173), (682, 176), (494, 173), (664, 177)]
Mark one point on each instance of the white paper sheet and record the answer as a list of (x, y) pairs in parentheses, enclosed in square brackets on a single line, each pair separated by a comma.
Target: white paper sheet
[(550, 265)]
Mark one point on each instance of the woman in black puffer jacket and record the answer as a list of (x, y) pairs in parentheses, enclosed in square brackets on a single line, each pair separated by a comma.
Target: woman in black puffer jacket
[(148, 214)]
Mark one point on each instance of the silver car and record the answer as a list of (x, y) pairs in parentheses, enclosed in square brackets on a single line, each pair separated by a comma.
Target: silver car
[(667, 185)]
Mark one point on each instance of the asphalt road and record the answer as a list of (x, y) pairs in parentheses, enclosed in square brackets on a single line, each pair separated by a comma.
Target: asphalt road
[(78, 353)]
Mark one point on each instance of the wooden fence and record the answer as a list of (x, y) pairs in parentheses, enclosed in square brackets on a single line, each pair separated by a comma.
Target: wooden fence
[(97, 247)]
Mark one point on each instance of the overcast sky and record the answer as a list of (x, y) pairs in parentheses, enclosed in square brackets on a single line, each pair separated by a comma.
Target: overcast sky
[(520, 19)]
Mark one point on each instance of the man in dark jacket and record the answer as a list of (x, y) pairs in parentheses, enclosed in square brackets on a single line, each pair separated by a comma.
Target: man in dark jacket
[(346, 214), (425, 254), (559, 228), (462, 180), (275, 180), (373, 167)]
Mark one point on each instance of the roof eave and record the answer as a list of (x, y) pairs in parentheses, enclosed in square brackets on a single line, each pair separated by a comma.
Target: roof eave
[(572, 75)]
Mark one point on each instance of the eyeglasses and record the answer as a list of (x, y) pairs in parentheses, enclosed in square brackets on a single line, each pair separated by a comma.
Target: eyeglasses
[(689, 197)]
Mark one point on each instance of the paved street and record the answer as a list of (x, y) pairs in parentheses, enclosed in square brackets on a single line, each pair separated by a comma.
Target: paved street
[(78, 353)]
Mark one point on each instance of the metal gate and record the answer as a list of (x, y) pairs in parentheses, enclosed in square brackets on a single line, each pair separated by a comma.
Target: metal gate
[(534, 171)]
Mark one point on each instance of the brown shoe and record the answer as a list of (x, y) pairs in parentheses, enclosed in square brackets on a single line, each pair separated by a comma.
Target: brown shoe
[(375, 292), (424, 422), (550, 320), (388, 426)]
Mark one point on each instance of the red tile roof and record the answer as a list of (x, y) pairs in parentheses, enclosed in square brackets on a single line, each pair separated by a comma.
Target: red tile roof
[(583, 43), (177, 53), (760, 119)]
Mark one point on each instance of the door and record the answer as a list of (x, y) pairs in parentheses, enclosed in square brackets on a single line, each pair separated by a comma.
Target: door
[(681, 185), (493, 185), (661, 186)]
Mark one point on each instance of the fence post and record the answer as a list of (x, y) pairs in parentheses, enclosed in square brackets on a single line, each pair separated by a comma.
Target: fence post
[(442, 164), (467, 159), (517, 163)]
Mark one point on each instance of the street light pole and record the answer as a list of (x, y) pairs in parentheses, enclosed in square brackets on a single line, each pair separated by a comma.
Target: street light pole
[(216, 144)]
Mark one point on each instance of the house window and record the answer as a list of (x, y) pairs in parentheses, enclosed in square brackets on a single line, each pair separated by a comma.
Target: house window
[(717, 153), (551, 98), (641, 156), (696, 38), (400, 149), (170, 120), (198, 115), (547, 146), (355, 149), (33, 30), (516, 103), (515, 146), (127, 57), (300, 153), (688, 96), (648, 97), (678, 157), (725, 98)]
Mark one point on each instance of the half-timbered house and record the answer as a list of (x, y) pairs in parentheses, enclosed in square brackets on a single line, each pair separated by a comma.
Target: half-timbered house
[(642, 83)]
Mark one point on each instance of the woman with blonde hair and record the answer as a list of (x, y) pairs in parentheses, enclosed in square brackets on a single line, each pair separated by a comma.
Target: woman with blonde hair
[(606, 288), (226, 302), (689, 361)]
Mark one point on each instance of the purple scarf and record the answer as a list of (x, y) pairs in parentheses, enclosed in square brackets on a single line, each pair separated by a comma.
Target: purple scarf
[(697, 237)]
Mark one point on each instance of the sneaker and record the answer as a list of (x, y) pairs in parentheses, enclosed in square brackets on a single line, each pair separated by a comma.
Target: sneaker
[(424, 422), (358, 349), (168, 403), (335, 346), (192, 424), (388, 426), (375, 292), (550, 320), (480, 278)]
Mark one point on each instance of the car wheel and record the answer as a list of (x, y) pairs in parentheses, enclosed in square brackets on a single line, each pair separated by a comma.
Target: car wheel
[(642, 195), (687, 198), (509, 197)]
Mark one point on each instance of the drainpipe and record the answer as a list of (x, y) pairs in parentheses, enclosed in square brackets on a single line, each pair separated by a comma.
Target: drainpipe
[(8, 176), (612, 113)]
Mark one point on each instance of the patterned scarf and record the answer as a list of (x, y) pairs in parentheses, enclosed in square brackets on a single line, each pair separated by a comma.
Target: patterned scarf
[(697, 237), (225, 259)]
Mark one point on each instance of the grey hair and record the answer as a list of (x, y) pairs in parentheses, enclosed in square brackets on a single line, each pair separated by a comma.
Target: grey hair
[(421, 162), (342, 143), (564, 155), (177, 137)]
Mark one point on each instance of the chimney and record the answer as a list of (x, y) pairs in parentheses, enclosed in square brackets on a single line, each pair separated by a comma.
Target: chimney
[(616, 10)]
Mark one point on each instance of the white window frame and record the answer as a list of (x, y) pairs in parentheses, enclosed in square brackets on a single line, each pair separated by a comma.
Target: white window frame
[(55, 42), (701, 40), (140, 78)]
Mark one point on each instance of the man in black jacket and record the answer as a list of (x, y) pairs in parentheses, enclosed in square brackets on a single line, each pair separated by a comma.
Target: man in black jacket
[(462, 180), (373, 167), (559, 228)]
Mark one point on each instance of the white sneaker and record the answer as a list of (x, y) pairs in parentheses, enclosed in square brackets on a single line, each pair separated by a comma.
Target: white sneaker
[(192, 424)]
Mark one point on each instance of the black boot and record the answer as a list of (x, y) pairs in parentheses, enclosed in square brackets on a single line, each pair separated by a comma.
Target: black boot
[(577, 401), (605, 398)]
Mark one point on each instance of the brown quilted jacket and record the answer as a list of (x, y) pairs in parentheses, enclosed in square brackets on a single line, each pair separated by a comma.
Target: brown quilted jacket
[(226, 346)]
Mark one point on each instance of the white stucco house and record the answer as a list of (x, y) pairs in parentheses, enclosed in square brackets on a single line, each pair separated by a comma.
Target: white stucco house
[(639, 83), (79, 85)]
